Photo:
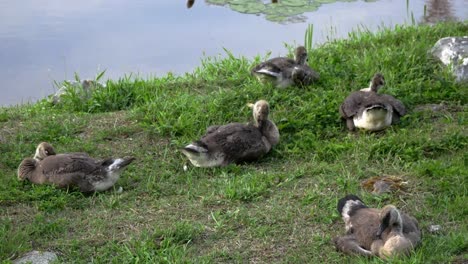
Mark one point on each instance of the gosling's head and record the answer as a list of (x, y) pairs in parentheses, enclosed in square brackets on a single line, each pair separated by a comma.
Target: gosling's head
[(261, 110), (301, 55), (378, 81), (87, 85), (43, 150), (390, 217)]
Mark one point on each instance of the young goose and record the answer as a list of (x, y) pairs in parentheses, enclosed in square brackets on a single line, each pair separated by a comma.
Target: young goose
[(371, 111), (369, 231), (284, 72), (235, 142), (71, 170)]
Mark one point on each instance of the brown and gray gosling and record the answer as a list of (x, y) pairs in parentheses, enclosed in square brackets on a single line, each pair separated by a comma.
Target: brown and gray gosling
[(235, 142), (368, 110), (284, 72), (385, 232), (71, 169)]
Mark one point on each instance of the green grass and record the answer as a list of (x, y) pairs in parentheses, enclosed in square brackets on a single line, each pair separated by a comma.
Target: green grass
[(279, 209)]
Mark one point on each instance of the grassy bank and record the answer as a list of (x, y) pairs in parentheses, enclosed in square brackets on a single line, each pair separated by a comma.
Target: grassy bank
[(280, 209)]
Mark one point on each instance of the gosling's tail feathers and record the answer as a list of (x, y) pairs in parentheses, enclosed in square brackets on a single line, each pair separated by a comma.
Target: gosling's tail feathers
[(349, 204), (200, 156), (268, 72), (195, 148), (118, 164)]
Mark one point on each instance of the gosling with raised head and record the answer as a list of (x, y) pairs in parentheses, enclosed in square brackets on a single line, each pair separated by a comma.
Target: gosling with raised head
[(235, 142)]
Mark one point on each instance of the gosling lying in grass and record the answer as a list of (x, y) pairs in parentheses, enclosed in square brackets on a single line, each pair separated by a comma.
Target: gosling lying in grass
[(370, 111), (71, 170), (385, 232), (235, 142), (284, 72)]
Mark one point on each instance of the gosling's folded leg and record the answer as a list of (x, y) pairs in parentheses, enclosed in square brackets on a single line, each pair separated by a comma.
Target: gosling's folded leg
[(349, 245)]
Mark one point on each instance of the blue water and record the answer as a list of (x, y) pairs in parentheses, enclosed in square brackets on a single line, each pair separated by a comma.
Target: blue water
[(43, 41)]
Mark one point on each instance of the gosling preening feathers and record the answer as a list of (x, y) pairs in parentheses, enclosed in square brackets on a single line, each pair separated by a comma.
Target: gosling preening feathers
[(284, 72), (235, 142), (385, 232), (368, 110), (43, 150), (71, 170)]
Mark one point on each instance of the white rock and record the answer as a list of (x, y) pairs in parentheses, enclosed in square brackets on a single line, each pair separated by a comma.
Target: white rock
[(37, 257), (453, 51), (435, 228)]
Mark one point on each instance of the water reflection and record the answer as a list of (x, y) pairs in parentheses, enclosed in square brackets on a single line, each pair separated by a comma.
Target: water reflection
[(191, 2), (43, 41), (438, 10), (291, 11)]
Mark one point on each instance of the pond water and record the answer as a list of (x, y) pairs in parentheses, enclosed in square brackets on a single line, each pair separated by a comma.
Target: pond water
[(43, 41)]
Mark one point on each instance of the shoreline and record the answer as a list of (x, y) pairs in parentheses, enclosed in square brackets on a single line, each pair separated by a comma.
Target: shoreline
[(281, 208)]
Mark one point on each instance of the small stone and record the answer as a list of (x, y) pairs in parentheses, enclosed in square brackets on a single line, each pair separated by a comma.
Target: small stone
[(37, 257), (185, 167), (119, 190), (434, 228)]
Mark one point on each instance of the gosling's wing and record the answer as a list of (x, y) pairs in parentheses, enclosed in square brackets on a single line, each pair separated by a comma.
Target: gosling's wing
[(411, 229), (83, 154), (67, 169), (397, 105), (364, 225), (304, 75), (238, 141), (351, 105), (274, 67)]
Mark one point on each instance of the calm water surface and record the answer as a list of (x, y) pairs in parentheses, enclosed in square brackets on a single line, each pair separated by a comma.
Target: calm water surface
[(43, 41)]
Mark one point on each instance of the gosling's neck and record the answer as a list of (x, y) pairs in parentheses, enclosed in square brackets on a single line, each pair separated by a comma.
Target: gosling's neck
[(301, 59), (374, 87), (260, 121), (270, 131), (38, 155)]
